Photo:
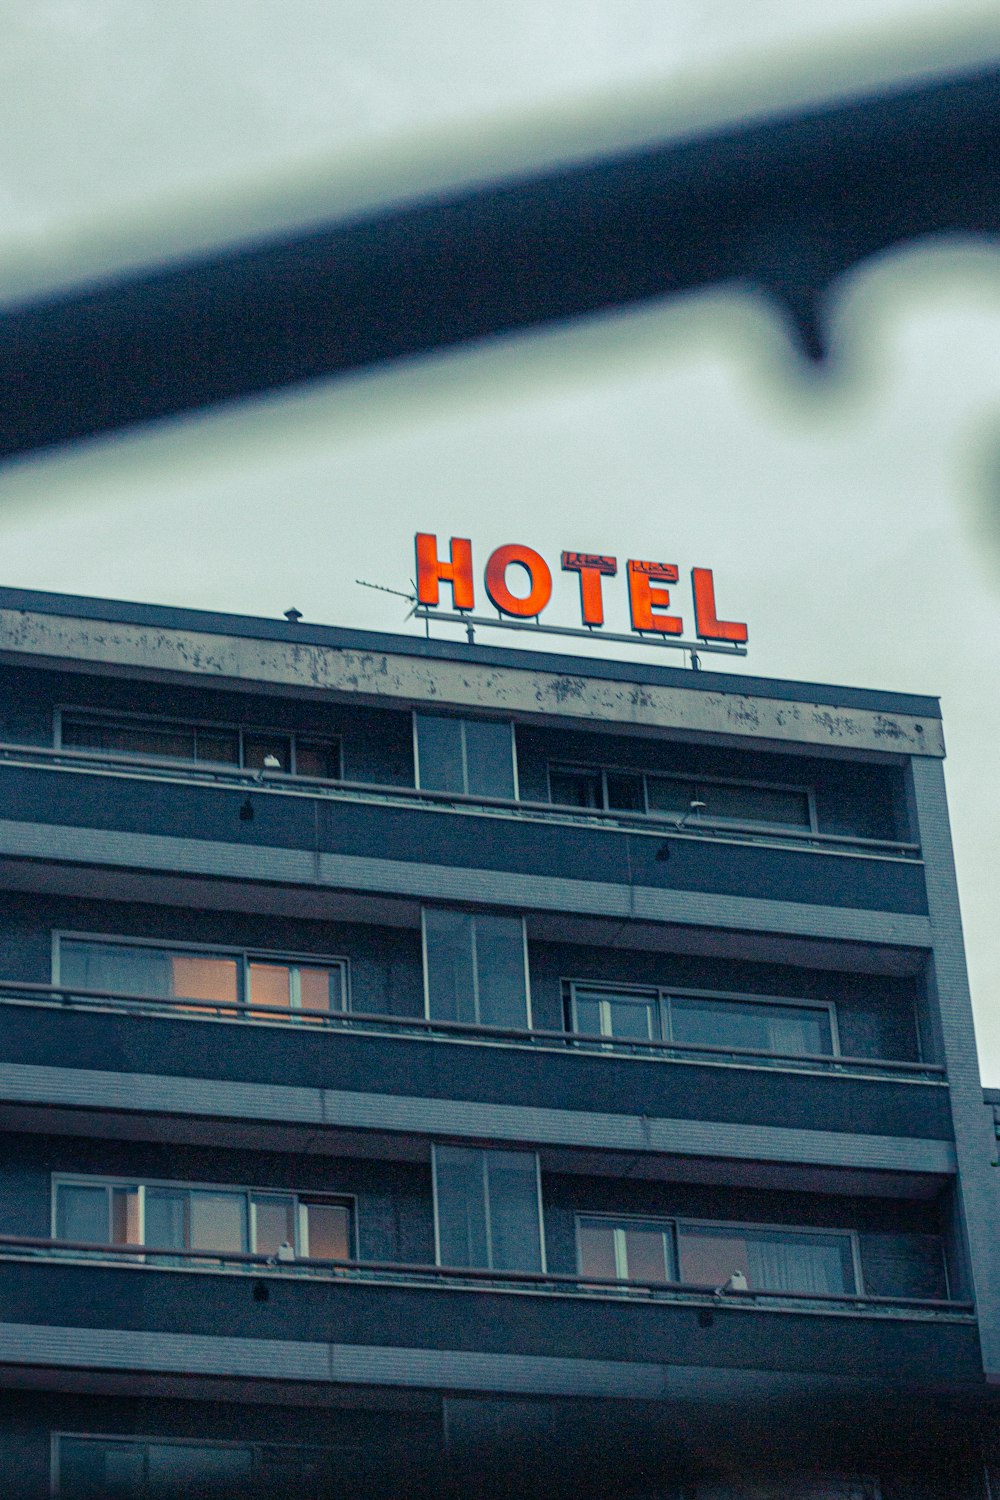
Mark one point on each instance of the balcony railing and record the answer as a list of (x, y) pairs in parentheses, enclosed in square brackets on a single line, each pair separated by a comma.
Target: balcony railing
[(278, 783), (392, 1273), (13, 992)]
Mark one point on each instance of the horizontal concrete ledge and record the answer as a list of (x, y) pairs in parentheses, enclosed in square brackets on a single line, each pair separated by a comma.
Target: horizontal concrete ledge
[(300, 1362), (145, 1093), (315, 1362), (162, 854), (531, 691)]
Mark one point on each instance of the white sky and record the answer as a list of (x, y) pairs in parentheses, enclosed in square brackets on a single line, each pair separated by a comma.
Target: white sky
[(851, 521)]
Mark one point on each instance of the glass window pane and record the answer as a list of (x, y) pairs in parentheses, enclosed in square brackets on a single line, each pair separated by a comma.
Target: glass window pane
[(771, 1260), (597, 1249), (708, 1257), (801, 1263), (500, 964), (570, 787), (647, 1252), (670, 794), (318, 758), (631, 1017), (328, 1231), (439, 753), (100, 1469), (625, 792), (166, 1219), (115, 967), (321, 989), (218, 746), (451, 985), (270, 984), (196, 1471), (588, 1016), (782, 1029), (460, 1200), (125, 1216), (515, 1225), (261, 750), (755, 804), (274, 1222), (218, 1221), (175, 741), (489, 758), (202, 978), (82, 1214)]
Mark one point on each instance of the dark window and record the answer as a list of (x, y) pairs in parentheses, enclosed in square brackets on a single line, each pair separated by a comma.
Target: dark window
[(468, 756), (678, 796), (788, 1030), (116, 1468), (255, 750), (487, 1207), (267, 752), (576, 788), (476, 970)]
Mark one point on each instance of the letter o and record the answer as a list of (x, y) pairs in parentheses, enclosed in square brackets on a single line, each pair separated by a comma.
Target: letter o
[(538, 572)]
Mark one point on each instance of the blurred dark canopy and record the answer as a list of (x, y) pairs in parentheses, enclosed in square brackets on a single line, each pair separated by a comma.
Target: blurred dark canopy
[(783, 205)]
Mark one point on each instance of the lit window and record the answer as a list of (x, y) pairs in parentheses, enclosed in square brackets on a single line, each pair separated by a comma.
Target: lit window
[(219, 984), (178, 1217)]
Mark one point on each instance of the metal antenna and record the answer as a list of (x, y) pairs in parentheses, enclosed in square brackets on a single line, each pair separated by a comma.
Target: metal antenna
[(411, 599)]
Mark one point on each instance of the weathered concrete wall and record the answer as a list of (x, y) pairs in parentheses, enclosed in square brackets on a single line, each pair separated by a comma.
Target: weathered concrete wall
[(232, 660)]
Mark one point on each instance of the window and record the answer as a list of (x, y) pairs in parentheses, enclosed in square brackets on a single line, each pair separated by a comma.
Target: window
[(488, 1209), (475, 968), (208, 744), (176, 1216), (695, 799), (129, 1468), (772, 1025), (252, 982), (772, 1259), (474, 756), (626, 1250)]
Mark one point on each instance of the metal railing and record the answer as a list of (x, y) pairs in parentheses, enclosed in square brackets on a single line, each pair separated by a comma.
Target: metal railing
[(396, 1273), (649, 825), (566, 1042)]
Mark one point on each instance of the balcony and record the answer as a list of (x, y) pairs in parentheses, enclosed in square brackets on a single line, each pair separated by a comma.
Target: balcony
[(400, 840), (120, 1054), (91, 1311)]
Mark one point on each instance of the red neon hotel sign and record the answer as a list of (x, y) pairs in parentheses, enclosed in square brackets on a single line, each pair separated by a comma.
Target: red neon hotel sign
[(651, 603)]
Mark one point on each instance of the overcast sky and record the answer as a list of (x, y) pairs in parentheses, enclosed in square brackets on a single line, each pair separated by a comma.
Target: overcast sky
[(851, 521)]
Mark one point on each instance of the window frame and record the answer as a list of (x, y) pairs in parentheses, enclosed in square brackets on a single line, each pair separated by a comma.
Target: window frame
[(473, 912), (604, 770), (676, 1223), (244, 956), (56, 1491), (302, 1197), (462, 719), (215, 726), (663, 994)]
